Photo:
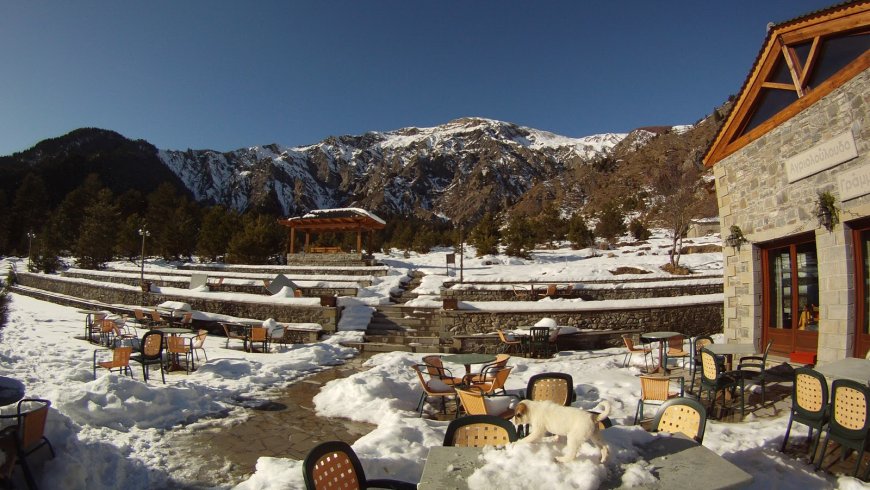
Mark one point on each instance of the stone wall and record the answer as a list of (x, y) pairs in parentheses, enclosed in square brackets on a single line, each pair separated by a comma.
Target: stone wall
[(691, 320), (107, 293), (169, 282), (352, 270), (753, 193), (587, 294), (337, 259)]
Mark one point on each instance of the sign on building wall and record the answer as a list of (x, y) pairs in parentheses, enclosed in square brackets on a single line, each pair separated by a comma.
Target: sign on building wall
[(822, 156), (854, 183)]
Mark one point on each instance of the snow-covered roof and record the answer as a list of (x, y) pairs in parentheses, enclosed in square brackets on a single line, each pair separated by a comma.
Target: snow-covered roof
[(336, 219)]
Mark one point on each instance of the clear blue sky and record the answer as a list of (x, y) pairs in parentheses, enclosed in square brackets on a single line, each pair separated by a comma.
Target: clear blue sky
[(230, 74)]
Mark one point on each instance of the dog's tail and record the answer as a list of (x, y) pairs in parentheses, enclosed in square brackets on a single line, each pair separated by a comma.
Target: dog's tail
[(605, 411)]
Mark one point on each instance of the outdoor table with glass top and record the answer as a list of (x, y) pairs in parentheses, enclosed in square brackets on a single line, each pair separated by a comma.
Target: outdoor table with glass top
[(662, 338), (468, 359)]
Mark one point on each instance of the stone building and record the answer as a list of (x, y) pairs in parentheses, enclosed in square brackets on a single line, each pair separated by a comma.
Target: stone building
[(793, 186)]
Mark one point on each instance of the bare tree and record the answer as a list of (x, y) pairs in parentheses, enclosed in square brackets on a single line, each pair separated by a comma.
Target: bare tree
[(682, 195)]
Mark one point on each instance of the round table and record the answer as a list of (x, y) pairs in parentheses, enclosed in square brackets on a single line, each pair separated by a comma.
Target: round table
[(468, 359), (662, 338), (11, 390)]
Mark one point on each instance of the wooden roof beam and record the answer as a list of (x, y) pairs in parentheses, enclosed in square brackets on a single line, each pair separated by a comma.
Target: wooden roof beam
[(793, 69)]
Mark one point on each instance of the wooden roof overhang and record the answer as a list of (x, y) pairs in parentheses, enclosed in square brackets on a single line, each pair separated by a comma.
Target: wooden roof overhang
[(332, 220), (779, 45), (333, 224)]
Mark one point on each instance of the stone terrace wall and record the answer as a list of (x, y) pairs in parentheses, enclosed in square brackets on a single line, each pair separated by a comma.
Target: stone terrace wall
[(226, 287), (340, 259), (326, 316), (287, 270), (691, 320), (586, 294)]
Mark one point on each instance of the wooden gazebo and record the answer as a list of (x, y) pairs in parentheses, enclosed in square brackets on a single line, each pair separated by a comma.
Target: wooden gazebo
[(339, 220)]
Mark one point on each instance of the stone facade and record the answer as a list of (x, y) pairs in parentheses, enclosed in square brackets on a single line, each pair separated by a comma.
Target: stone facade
[(754, 193), (107, 293)]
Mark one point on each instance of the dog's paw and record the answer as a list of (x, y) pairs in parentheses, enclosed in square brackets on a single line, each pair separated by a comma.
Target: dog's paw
[(565, 459)]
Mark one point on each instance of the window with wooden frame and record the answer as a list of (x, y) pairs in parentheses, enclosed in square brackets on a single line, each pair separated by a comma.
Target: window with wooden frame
[(791, 293), (801, 61), (799, 68)]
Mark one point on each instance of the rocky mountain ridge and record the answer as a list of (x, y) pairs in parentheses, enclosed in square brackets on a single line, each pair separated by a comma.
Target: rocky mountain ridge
[(456, 171)]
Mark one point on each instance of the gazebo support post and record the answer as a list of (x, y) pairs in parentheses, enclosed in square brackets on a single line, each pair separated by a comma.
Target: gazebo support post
[(307, 241), (292, 240)]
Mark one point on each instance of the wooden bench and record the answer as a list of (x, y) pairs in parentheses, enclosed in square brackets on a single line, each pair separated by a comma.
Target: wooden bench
[(324, 250)]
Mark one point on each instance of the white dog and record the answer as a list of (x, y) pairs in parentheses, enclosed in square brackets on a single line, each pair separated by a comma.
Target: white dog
[(576, 424)]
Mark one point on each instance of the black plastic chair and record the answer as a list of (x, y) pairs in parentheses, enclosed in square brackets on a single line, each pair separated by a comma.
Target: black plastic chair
[(682, 415), (151, 353), (850, 419), (698, 343), (480, 431), (539, 342), (809, 405), (714, 378), (754, 368), (30, 433), (334, 464)]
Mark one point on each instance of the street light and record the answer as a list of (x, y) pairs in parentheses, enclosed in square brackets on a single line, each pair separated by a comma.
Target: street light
[(30, 236), (143, 232)]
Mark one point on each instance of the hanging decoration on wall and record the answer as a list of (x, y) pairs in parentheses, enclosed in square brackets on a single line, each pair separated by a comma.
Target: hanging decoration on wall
[(736, 238), (827, 212)]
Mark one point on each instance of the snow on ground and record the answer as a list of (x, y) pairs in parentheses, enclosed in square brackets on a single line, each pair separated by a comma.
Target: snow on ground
[(108, 432)]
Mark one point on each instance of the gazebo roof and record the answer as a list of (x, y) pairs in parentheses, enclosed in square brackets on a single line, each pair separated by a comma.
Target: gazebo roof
[(338, 219)]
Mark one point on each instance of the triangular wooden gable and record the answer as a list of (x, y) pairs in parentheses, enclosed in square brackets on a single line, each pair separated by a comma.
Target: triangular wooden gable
[(800, 63)]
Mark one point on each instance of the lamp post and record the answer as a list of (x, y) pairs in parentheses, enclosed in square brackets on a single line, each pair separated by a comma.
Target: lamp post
[(143, 232), (30, 236)]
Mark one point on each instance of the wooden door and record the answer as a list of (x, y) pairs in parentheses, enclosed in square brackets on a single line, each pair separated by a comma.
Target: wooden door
[(861, 241), (791, 295)]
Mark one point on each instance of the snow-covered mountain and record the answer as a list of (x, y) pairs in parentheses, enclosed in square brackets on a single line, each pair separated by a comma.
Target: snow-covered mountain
[(457, 170)]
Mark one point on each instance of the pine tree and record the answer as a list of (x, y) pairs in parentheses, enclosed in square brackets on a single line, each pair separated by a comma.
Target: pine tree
[(29, 211), (4, 224), (485, 236), (518, 237), (260, 239), (161, 207), (638, 229), (129, 241), (71, 211), (579, 233), (96, 243), (611, 224), (218, 227), (549, 225)]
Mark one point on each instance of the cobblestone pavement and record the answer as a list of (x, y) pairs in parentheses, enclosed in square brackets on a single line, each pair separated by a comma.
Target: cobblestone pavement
[(284, 426)]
